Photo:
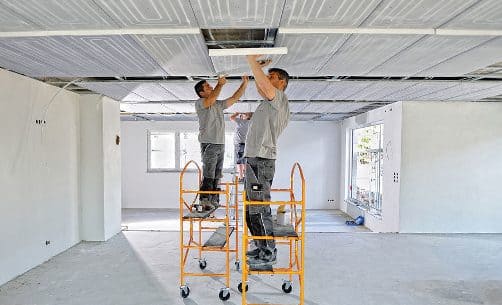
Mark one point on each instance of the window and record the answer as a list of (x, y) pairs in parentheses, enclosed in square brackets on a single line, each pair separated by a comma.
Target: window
[(161, 147), (366, 177), (183, 146)]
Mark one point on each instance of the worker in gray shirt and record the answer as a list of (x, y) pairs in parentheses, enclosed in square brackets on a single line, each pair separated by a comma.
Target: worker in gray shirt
[(241, 119), (212, 135), (268, 122)]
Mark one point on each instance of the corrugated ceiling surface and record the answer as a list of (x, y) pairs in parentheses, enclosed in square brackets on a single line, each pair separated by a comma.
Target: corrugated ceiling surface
[(11, 21), (236, 65), (61, 15), (326, 13), (238, 14), (74, 56), (305, 90), (151, 13), (486, 14), (115, 90), (308, 54), (178, 54), (416, 13), (363, 53), (426, 53), (462, 89)]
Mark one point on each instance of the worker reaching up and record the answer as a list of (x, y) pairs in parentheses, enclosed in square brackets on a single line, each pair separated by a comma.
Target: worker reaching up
[(268, 121), (212, 135)]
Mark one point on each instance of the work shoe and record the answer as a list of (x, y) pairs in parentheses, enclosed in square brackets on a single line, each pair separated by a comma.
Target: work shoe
[(263, 259), (253, 253), (206, 204)]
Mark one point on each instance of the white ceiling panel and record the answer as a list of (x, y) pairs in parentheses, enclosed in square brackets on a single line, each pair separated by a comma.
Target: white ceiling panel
[(158, 108), (114, 90), (380, 90), (341, 90), (236, 65), (362, 53), (305, 89), (86, 56), (61, 15), (178, 54), (416, 13), (426, 53), (478, 95), (479, 57), (330, 117), (486, 14), (303, 116), (11, 21), (242, 107), (463, 90), (217, 14), (326, 13), (148, 91), (416, 90), (307, 54), (151, 13)]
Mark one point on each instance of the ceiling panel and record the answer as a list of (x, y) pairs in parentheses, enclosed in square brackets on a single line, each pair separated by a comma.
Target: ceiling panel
[(217, 14), (330, 117), (305, 89), (307, 54), (178, 54), (61, 15), (362, 53), (148, 91), (79, 56), (114, 90), (380, 90), (486, 14), (236, 65), (151, 13), (10, 21), (242, 107), (479, 57), (158, 108), (341, 90), (464, 90), (426, 53), (417, 89), (303, 116), (326, 13), (416, 13)]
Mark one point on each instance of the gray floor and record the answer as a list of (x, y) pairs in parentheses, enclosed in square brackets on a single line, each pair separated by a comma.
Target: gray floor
[(140, 268), (318, 221)]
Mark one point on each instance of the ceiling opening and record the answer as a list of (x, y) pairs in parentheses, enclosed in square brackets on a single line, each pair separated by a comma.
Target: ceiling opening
[(239, 38)]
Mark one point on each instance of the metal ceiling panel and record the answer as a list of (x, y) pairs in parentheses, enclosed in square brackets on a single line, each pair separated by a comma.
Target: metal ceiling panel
[(486, 14), (184, 90), (114, 90), (236, 65), (217, 14), (151, 13), (425, 54), (463, 90), (418, 89), (307, 54), (330, 117), (304, 89), (342, 90), (178, 54), (380, 90), (148, 91), (158, 108), (326, 13), (11, 21), (362, 53), (61, 15), (79, 56), (303, 116), (479, 57), (242, 107), (416, 13), (478, 95)]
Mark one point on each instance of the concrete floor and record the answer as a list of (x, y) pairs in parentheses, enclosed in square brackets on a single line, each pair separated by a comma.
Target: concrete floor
[(319, 221), (142, 268)]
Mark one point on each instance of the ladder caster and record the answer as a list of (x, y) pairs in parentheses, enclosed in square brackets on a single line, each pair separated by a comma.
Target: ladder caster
[(184, 291), (224, 294), (202, 264), (286, 287), (237, 265), (239, 287)]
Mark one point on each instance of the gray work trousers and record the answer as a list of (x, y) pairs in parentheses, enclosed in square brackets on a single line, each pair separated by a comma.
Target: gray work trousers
[(259, 175), (212, 167)]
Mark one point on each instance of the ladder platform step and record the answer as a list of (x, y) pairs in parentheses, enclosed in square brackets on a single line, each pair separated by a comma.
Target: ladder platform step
[(218, 238), (195, 214), (284, 230)]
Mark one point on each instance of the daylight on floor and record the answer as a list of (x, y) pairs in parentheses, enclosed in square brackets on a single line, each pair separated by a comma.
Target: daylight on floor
[(209, 152)]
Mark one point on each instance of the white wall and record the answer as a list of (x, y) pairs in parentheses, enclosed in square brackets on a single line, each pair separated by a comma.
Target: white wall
[(38, 173), (390, 115), (315, 145), (100, 178), (451, 167)]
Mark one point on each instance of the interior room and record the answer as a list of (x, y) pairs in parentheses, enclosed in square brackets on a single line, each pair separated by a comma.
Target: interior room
[(387, 173)]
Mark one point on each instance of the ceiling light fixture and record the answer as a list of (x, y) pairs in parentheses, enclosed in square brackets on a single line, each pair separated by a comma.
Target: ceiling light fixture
[(248, 51)]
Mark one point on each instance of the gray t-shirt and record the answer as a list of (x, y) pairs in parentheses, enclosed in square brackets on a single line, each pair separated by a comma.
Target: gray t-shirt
[(267, 123), (211, 122), (241, 131)]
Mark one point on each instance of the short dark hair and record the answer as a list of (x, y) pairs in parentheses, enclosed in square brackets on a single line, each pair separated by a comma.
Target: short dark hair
[(282, 75), (199, 87)]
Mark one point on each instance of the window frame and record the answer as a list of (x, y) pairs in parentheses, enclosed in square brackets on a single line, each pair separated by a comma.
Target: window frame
[(350, 187), (177, 153)]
